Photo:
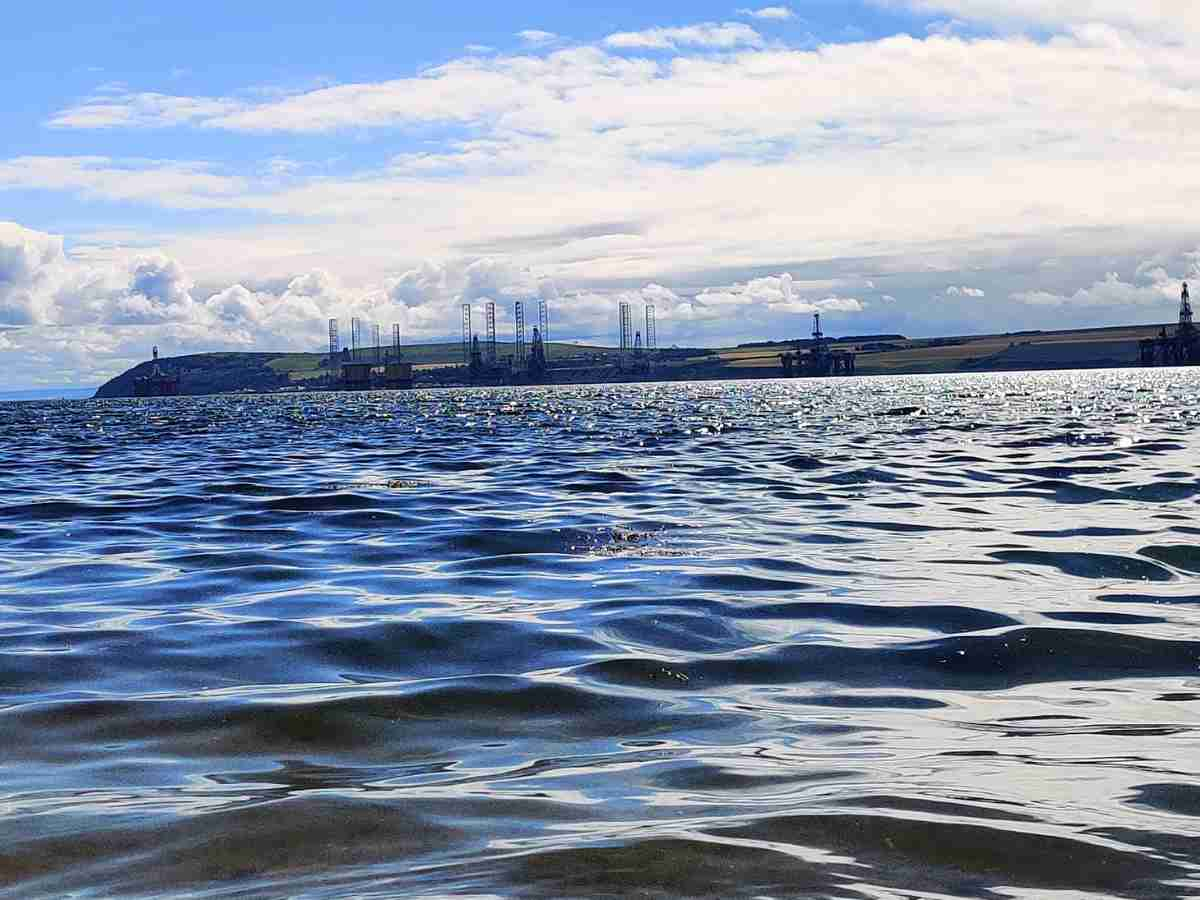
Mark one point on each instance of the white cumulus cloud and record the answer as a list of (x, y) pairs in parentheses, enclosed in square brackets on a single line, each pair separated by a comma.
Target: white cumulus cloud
[(920, 161), (777, 13), (724, 36), (536, 37), (1154, 288), (28, 264), (1165, 19)]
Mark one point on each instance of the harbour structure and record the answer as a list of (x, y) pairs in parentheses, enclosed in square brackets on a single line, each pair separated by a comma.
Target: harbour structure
[(157, 384), (821, 360), (1180, 349)]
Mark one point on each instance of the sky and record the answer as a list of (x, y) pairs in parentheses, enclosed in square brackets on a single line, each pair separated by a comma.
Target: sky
[(225, 176)]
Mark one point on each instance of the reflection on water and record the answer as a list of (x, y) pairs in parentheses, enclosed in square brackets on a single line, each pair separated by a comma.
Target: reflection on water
[(869, 638)]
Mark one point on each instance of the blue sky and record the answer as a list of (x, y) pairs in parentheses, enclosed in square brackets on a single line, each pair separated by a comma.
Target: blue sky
[(223, 175), (216, 49)]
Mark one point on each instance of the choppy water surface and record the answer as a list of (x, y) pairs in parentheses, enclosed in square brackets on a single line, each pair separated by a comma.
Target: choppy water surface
[(731, 639)]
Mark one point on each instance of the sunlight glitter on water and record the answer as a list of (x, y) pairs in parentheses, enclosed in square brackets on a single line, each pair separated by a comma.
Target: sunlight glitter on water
[(864, 638)]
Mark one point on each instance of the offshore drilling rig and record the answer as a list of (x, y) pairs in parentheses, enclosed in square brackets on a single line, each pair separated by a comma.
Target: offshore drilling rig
[(820, 361), (637, 355), (1179, 349), (529, 361), (359, 368)]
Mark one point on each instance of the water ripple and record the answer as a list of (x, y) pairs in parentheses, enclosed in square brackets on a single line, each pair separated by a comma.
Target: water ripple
[(921, 636)]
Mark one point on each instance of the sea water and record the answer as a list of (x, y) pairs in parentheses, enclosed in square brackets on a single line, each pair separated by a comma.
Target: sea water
[(885, 637)]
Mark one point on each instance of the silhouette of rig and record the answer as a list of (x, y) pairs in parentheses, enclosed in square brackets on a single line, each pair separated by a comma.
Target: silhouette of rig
[(1180, 349), (530, 362), (820, 361), (362, 368)]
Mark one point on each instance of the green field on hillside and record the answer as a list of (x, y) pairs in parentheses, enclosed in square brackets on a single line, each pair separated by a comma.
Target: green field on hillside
[(1033, 350)]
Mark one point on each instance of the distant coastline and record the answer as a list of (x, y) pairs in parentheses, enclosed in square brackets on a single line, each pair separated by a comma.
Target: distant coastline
[(56, 393), (440, 365)]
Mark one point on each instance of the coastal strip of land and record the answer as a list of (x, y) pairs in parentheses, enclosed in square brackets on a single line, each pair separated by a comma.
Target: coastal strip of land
[(441, 364)]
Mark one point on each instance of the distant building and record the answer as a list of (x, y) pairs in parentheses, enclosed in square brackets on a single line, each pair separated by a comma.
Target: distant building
[(157, 383)]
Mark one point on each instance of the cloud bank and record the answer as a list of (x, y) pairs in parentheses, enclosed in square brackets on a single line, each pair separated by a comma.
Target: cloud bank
[(1036, 156), (121, 308)]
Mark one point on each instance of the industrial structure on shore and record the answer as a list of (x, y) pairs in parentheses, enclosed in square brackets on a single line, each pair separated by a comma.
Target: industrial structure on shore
[(360, 368), (371, 366), (820, 361), (530, 362), (368, 364), (637, 355), (1180, 349)]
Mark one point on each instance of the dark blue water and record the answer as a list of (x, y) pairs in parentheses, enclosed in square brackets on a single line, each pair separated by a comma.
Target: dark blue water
[(913, 637)]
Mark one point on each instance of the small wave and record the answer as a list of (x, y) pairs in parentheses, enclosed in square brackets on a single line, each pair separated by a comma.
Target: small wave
[(592, 641), (1088, 565), (1185, 557)]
